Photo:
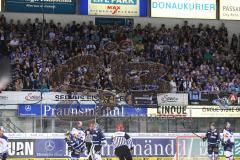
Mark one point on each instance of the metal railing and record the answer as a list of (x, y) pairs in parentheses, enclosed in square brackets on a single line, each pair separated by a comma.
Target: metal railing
[(10, 126)]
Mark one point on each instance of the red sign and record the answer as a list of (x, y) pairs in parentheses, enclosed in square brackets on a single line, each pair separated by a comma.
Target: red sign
[(114, 9)]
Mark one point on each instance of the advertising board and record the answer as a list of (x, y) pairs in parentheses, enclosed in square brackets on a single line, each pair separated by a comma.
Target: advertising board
[(39, 6), (199, 9), (156, 147), (229, 9), (172, 99), (124, 8)]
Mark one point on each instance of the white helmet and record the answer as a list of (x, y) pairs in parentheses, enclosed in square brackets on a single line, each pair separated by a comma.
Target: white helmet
[(74, 132)]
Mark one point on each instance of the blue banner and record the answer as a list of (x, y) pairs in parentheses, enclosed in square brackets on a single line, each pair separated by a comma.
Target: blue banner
[(50, 148), (40, 6), (113, 21), (48, 110)]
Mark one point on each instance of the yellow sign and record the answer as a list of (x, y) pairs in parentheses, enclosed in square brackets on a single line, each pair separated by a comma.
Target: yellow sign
[(202, 111), (169, 112), (229, 9), (114, 7), (213, 111)]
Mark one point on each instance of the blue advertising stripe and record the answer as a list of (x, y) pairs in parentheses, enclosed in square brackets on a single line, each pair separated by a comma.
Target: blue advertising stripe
[(110, 21), (26, 110), (48, 110), (50, 148), (36, 7), (143, 8), (144, 147), (114, 158), (83, 7)]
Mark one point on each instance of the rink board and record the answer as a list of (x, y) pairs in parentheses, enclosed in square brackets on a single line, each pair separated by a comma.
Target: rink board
[(148, 146), (135, 158)]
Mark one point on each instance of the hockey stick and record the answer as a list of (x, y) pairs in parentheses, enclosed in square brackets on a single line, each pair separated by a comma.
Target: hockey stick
[(17, 150), (191, 131)]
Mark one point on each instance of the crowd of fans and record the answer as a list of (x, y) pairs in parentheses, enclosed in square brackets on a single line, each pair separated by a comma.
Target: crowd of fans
[(196, 57)]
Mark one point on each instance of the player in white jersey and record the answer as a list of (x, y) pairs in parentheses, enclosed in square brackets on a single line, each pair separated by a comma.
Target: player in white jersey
[(228, 141), (76, 143), (3, 144)]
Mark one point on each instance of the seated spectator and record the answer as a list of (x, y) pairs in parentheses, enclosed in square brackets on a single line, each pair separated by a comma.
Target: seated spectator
[(18, 84), (14, 42), (199, 55)]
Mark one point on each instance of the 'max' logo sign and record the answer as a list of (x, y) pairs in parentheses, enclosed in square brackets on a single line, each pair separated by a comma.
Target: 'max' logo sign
[(115, 5), (114, 9)]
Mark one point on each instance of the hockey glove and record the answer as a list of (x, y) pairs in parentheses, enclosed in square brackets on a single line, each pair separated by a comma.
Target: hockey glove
[(204, 139), (77, 151), (223, 143), (104, 143), (131, 150), (67, 135)]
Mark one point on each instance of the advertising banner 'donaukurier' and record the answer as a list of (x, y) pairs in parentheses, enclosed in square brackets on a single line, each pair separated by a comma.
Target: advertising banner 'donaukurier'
[(199, 9)]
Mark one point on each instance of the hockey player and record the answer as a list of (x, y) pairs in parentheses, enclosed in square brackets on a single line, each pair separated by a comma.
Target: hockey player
[(75, 141), (213, 138), (228, 141), (79, 126), (4, 144), (122, 143), (88, 139), (98, 140)]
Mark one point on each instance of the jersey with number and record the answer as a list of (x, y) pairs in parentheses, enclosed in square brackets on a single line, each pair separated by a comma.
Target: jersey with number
[(228, 140), (98, 137), (213, 137)]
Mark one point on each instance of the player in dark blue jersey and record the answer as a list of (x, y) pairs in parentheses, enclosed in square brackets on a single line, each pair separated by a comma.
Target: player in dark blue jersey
[(228, 141), (213, 138), (88, 139), (98, 140)]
